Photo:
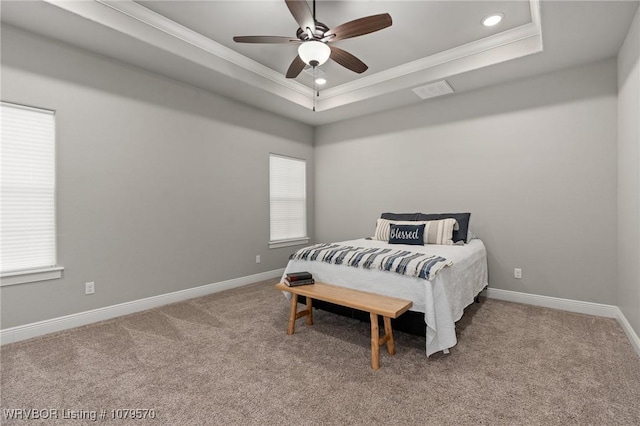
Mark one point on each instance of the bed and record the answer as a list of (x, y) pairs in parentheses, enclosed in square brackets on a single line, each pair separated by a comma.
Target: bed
[(439, 301)]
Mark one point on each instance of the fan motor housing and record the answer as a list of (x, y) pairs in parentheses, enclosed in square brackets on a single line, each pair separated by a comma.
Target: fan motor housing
[(319, 33)]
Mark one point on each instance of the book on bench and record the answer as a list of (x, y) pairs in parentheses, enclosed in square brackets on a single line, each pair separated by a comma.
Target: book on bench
[(298, 278), (299, 282)]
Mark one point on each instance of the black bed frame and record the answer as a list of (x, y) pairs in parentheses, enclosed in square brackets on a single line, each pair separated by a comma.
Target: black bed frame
[(410, 322)]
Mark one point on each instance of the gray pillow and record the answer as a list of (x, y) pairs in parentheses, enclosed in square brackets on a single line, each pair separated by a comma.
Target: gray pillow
[(400, 216), (463, 223)]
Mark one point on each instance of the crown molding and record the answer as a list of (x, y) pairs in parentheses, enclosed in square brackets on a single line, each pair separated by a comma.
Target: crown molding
[(503, 38), (506, 45), (172, 28), (135, 20)]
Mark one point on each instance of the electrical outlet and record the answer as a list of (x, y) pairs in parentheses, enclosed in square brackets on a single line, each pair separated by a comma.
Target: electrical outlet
[(517, 273), (89, 288), (257, 258)]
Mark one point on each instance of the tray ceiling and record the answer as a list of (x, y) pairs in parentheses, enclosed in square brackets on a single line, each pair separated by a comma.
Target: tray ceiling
[(191, 41)]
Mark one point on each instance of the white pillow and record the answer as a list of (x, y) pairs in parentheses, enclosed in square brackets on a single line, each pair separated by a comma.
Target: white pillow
[(435, 231)]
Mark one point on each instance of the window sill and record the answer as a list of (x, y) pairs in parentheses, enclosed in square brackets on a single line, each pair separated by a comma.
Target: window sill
[(288, 243), (30, 276)]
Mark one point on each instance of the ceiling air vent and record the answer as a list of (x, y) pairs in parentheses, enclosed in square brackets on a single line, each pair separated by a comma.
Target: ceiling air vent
[(432, 90)]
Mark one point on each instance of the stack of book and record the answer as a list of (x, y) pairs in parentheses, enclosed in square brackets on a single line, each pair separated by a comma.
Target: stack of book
[(298, 278)]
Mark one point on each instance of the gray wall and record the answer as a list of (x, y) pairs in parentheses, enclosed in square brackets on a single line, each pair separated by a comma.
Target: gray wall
[(161, 187), (629, 176), (533, 160)]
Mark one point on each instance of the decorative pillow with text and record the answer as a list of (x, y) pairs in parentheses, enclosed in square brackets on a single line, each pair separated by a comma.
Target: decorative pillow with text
[(406, 234)]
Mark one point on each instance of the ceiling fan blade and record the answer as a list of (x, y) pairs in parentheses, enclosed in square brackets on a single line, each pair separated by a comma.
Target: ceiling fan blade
[(302, 14), (347, 60), (359, 27), (296, 67), (265, 39)]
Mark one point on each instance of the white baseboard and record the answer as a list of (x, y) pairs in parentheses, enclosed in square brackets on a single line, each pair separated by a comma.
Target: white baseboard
[(23, 332), (589, 308), (597, 309), (629, 331)]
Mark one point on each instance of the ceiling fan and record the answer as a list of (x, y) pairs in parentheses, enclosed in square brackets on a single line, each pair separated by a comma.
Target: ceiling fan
[(314, 37)]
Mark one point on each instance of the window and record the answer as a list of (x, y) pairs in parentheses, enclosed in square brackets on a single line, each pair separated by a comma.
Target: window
[(288, 201), (27, 195)]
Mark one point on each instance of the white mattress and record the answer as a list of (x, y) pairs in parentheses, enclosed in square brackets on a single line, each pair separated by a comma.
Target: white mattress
[(442, 300)]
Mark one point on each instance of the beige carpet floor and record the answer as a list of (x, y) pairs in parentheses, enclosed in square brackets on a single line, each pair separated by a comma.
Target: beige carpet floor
[(226, 359)]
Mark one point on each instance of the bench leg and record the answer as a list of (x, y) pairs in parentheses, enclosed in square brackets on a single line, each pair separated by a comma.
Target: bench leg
[(388, 333), (292, 315), (375, 342), (310, 309)]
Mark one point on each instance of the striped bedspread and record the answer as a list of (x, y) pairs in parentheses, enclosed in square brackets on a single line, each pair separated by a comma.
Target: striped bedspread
[(384, 259)]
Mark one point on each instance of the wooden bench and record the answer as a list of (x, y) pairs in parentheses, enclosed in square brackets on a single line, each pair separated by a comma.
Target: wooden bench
[(375, 304)]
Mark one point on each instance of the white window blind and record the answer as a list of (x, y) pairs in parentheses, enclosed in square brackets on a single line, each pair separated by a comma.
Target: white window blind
[(27, 199), (288, 198)]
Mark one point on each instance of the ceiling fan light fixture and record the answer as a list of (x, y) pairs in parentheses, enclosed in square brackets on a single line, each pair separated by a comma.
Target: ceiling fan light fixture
[(493, 19), (314, 52)]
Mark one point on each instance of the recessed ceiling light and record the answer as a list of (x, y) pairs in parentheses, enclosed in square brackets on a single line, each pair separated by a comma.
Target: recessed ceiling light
[(321, 81), (493, 19)]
